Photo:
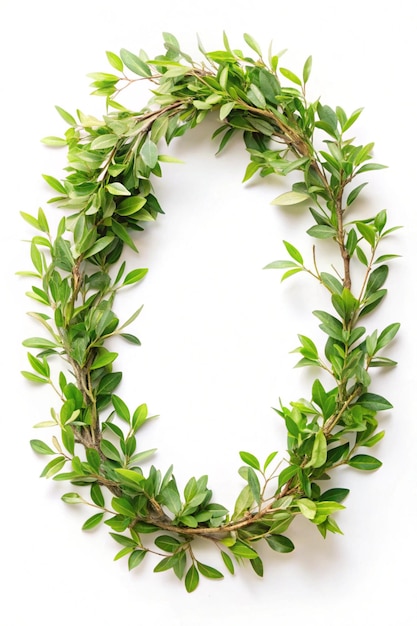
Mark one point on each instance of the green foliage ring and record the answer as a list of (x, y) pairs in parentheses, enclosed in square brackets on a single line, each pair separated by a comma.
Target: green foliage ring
[(107, 196)]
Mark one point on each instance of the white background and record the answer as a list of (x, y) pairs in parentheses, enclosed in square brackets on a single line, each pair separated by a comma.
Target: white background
[(216, 329)]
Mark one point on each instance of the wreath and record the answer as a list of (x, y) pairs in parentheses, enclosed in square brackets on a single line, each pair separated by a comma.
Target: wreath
[(107, 198)]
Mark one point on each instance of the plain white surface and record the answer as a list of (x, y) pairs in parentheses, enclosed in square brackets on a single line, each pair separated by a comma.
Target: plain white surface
[(216, 329)]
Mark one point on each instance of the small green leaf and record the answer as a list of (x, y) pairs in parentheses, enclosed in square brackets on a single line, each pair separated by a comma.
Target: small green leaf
[(67, 117), (192, 579), (250, 460), (115, 61), (104, 359), (121, 408), (72, 498), (167, 543), (354, 194), (257, 566), (290, 197), (307, 507), (293, 252), (149, 153), (54, 142), (374, 402), (136, 558), (279, 543), (319, 453), (228, 561), (307, 69), (135, 64), (110, 451), (40, 447), (130, 476), (321, 231), (117, 189), (208, 571), (243, 551), (124, 507), (290, 75), (92, 521), (252, 43), (337, 494), (135, 276), (55, 184), (364, 462), (225, 109)]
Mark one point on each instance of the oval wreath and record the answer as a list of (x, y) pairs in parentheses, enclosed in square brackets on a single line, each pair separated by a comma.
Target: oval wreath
[(108, 196)]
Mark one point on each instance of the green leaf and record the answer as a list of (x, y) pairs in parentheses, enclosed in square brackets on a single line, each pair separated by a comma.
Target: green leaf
[(244, 502), (67, 117), (110, 451), (387, 335), (227, 561), (307, 69), (115, 61), (104, 359), (307, 508), (337, 494), (364, 462), (92, 521), (269, 459), (121, 408), (321, 231), (208, 571), (167, 543), (225, 109), (39, 342), (354, 194), (290, 197), (250, 460), (40, 447), (121, 232), (252, 43), (135, 276), (242, 550), (117, 189), (293, 252), (149, 153), (254, 485), (123, 506), (279, 543), (256, 96), (374, 402), (130, 476), (192, 579), (34, 378), (171, 498), (55, 142), (257, 566), (104, 141), (367, 232), (131, 205), (280, 265), (55, 184), (53, 467), (135, 64), (72, 498), (319, 453), (136, 558), (290, 75)]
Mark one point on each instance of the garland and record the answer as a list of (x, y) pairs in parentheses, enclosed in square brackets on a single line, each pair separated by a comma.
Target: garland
[(107, 196)]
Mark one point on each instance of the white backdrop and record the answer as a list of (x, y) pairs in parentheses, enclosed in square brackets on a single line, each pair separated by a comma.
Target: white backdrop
[(216, 329)]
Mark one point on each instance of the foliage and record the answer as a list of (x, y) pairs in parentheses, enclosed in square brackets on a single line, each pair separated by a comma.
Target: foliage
[(107, 198)]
